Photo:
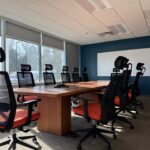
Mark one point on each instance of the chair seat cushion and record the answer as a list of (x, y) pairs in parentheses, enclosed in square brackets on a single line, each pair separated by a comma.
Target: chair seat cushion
[(94, 111), (117, 100), (21, 118), (27, 98)]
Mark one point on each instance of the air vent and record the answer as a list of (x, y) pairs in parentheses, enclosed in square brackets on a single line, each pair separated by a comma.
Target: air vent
[(118, 29), (106, 34), (93, 5), (147, 14)]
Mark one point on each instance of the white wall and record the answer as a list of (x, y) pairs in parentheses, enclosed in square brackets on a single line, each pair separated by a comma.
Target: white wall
[(105, 61)]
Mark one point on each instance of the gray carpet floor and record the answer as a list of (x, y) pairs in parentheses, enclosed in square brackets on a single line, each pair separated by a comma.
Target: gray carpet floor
[(128, 139)]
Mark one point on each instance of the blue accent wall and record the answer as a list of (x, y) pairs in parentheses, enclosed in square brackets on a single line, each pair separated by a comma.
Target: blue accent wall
[(88, 54)]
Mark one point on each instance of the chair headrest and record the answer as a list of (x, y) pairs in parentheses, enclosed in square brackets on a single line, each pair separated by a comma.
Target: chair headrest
[(75, 69), (48, 67), (121, 62), (2, 55), (25, 67), (139, 66), (65, 68), (84, 69)]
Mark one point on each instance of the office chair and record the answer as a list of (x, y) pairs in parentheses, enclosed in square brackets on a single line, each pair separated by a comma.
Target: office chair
[(25, 79), (11, 116), (102, 112), (123, 97), (85, 75), (75, 75), (65, 75), (134, 88), (49, 78)]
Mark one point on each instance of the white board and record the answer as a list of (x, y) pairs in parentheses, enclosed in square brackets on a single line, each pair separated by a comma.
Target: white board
[(105, 61)]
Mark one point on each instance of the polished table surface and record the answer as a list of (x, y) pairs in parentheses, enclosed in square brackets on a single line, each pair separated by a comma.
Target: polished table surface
[(55, 104)]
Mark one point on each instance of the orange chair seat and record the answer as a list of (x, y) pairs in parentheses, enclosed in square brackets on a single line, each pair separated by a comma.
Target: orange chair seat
[(27, 98), (117, 100), (21, 118), (94, 111)]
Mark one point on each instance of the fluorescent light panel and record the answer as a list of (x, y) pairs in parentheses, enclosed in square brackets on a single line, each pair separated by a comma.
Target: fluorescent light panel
[(94, 5), (86, 5)]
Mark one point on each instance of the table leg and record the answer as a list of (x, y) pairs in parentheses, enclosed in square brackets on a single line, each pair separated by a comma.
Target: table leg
[(55, 115)]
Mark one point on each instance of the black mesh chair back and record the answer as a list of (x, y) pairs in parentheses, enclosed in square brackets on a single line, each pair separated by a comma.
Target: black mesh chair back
[(140, 71), (107, 101), (75, 75), (121, 63), (85, 75), (7, 99), (49, 78), (65, 76), (25, 77)]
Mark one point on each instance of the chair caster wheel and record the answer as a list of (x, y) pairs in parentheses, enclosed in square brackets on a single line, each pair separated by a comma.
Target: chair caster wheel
[(114, 137), (79, 147), (132, 127), (35, 141)]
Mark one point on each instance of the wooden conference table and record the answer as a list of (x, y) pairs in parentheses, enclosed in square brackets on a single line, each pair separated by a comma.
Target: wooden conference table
[(55, 104)]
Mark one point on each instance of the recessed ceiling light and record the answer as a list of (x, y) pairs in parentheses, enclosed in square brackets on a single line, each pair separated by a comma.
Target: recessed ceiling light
[(94, 5)]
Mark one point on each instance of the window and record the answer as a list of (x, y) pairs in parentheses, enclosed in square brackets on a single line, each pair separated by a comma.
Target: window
[(1, 65), (20, 52), (55, 57)]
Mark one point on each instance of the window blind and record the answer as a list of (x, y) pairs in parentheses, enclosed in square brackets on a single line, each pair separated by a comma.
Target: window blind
[(21, 32)]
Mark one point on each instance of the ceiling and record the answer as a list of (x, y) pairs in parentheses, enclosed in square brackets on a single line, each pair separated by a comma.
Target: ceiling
[(82, 21)]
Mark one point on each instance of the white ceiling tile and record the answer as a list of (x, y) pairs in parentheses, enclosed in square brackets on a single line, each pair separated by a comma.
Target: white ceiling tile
[(79, 14), (108, 17), (54, 15), (111, 38), (125, 36), (148, 22), (132, 15), (145, 4), (68, 20)]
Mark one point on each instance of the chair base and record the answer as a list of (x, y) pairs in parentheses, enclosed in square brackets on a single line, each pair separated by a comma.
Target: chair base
[(95, 132), (14, 140), (125, 120), (138, 103)]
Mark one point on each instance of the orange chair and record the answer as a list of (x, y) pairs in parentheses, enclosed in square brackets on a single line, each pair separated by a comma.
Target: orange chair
[(12, 117), (25, 79), (102, 112), (134, 88)]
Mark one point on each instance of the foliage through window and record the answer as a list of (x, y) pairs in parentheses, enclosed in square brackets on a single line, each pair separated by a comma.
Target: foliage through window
[(20, 52), (55, 57)]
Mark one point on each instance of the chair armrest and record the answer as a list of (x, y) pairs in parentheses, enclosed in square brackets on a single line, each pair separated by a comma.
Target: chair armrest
[(30, 108), (27, 103)]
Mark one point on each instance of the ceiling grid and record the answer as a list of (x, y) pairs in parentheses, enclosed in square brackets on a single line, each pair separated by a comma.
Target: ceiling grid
[(82, 23)]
